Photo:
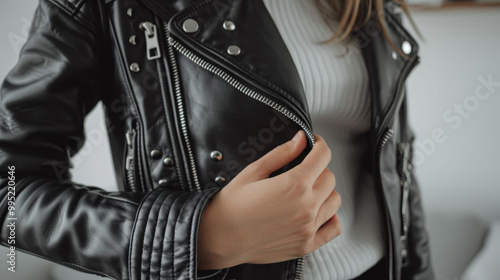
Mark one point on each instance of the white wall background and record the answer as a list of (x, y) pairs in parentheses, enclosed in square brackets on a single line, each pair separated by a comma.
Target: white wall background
[(458, 173), (462, 46)]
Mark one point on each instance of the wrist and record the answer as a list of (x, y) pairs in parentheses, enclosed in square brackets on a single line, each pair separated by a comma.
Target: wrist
[(213, 245)]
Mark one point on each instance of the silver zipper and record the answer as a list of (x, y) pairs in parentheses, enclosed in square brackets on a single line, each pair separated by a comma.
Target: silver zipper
[(387, 135), (152, 44), (299, 268), (239, 86), (180, 109), (129, 161)]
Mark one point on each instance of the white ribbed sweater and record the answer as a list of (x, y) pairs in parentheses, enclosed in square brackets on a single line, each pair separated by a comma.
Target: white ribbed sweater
[(336, 87)]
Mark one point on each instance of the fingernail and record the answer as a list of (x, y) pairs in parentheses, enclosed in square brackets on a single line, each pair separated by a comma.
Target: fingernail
[(296, 137)]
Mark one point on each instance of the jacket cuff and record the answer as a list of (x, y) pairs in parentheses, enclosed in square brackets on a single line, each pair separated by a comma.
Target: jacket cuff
[(165, 235)]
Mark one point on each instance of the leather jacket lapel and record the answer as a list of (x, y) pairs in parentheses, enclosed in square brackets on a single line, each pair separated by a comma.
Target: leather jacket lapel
[(264, 61)]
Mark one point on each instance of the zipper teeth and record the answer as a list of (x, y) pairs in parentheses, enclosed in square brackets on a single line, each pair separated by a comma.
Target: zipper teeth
[(244, 89), (388, 134), (239, 86), (299, 268), (130, 179), (130, 153), (180, 109)]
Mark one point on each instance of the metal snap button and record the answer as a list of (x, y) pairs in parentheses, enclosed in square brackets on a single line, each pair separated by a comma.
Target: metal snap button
[(134, 67), (163, 182), (394, 55), (216, 155), (229, 25), (168, 161), (131, 40), (155, 154), (190, 26), (406, 47), (220, 179), (233, 50)]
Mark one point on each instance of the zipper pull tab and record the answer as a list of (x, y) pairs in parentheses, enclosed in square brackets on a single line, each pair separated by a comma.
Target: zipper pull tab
[(130, 152), (152, 45)]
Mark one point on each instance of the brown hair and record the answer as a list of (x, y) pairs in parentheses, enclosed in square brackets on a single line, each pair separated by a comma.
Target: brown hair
[(353, 15)]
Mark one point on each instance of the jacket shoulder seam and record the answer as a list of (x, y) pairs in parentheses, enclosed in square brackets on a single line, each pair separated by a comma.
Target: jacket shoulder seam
[(77, 15)]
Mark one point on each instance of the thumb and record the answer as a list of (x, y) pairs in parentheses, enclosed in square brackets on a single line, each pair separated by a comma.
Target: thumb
[(276, 158)]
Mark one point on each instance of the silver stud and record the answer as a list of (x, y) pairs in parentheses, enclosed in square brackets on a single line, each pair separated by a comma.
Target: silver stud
[(134, 67), (406, 47), (168, 161), (216, 155), (233, 50), (130, 12), (163, 182), (220, 179), (132, 40), (394, 55), (190, 26), (155, 154), (229, 25)]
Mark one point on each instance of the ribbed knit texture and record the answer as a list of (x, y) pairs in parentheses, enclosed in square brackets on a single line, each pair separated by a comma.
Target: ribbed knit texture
[(336, 86)]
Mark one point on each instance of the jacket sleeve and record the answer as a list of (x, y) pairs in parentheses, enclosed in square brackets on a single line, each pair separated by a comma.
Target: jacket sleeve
[(43, 103), (419, 255)]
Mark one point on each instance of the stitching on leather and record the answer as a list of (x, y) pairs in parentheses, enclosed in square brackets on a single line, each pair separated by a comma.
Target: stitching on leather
[(156, 202), (190, 229), (203, 200), (138, 219), (175, 226), (163, 243), (61, 262), (170, 134), (143, 230), (61, 7), (191, 268), (70, 14), (153, 249), (193, 214)]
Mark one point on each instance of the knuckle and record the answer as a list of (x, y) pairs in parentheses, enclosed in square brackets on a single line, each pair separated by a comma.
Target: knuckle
[(300, 183), (307, 232), (307, 215)]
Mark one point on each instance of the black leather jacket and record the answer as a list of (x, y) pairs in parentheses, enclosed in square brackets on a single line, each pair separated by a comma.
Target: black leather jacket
[(178, 86)]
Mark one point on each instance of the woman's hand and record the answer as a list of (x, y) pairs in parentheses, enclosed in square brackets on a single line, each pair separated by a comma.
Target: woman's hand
[(257, 219)]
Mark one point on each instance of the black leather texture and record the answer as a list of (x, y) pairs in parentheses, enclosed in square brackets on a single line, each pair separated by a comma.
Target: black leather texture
[(165, 116)]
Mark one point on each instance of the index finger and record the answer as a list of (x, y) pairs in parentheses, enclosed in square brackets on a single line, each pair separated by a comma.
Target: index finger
[(316, 160)]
